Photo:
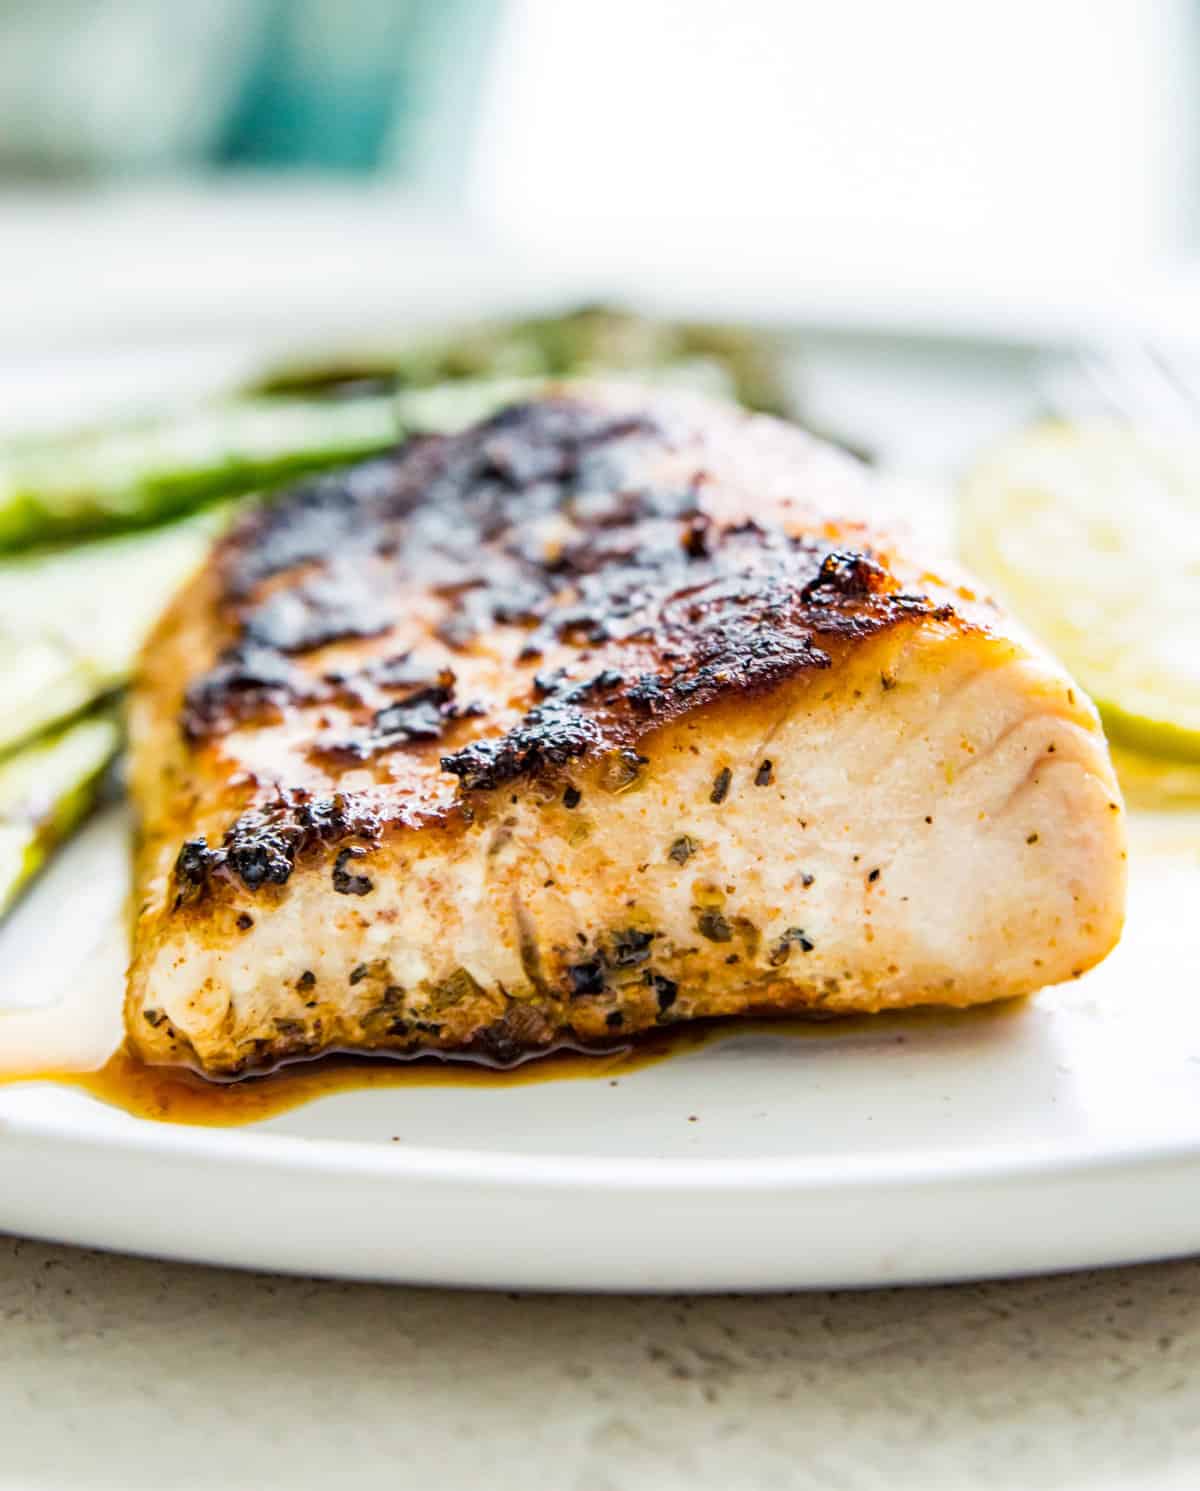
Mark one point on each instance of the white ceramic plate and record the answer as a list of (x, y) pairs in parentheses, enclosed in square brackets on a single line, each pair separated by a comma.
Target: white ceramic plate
[(1063, 1134), (1059, 1134)]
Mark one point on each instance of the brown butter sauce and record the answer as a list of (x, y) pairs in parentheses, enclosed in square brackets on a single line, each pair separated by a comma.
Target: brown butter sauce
[(177, 1095)]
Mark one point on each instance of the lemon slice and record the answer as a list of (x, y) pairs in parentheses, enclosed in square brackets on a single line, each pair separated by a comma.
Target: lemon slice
[(1091, 533)]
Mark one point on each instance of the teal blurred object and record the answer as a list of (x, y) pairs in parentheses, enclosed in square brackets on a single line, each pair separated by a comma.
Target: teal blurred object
[(323, 85), (349, 86)]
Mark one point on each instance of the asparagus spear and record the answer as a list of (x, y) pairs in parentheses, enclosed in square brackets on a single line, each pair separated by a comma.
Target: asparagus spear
[(70, 625), (71, 620), (45, 791), (135, 475), (591, 341), (443, 408)]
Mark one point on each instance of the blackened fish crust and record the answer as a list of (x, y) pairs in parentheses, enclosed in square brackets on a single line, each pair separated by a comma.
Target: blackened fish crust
[(643, 571)]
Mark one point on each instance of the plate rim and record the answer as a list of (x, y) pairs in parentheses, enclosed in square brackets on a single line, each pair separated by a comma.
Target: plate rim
[(952, 1165)]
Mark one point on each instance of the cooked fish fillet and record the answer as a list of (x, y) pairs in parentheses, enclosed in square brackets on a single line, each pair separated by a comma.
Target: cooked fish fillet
[(611, 711)]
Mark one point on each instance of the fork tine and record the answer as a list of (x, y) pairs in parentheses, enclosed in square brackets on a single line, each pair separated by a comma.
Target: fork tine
[(1136, 381), (1182, 374)]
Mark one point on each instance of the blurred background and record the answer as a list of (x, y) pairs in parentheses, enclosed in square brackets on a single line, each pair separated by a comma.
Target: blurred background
[(187, 166)]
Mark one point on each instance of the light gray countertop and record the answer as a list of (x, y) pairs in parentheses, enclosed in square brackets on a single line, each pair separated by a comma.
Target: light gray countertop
[(132, 1374)]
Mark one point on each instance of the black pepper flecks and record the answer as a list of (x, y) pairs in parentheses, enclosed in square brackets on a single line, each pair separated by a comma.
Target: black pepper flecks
[(572, 796), (496, 1045), (762, 777), (711, 924), (586, 978), (630, 948), (621, 769), (345, 882), (720, 787), (697, 536), (782, 947), (682, 849), (666, 990)]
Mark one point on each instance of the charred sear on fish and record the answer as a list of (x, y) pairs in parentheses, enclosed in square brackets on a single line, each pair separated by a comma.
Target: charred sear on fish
[(548, 726)]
